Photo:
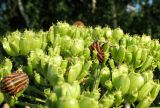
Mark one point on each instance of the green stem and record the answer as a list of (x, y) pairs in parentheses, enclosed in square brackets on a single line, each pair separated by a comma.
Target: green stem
[(31, 88), (97, 78), (104, 94), (27, 104), (33, 98)]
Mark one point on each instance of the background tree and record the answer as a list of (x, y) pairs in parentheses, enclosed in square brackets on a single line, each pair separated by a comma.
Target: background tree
[(133, 16)]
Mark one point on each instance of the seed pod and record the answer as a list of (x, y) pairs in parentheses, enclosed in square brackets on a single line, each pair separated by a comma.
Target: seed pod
[(14, 83), (134, 52), (107, 32), (77, 47), (137, 64), (64, 64), (120, 54), (39, 79), (145, 103), (26, 42), (97, 32), (128, 40), (11, 100), (53, 75), (62, 28), (29, 69), (85, 70), (147, 63), (74, 71), (114, 51), (67, 102), (36, 43), (155, 91), (145, 90), (112, 64), (122, 83), (87, 102), (145, 39), (76, 90), (147, 75), (55, 51), (94, 94), (115, 74), (108, 85), (66, 44), (52, 100), (66, 89), (117, 34), (139, 54), (118, 98), (14, 41), (136, 82), (123, 41), (106, 57), (100, 54), (86, 53), (14, 47), (7, 48), (107, 101), (106, 47), (43, 36), (104, 75), (131, 97), (24, 45), (145, 55), (63, 90), (7, 67), (51, 34), (56, 60), (134, 40), (124, 69), (156, 45)]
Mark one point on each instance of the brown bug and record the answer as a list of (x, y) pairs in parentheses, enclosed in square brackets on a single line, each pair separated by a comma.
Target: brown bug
[(14, 83), (78, 23), (100, 54)]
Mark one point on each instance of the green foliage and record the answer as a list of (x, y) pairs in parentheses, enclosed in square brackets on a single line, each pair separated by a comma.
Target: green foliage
[(37, 14), (66, 67)]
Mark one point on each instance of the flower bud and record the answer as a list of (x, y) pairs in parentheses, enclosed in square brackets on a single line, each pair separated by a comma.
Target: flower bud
[(52, 100), (122, 83), (67, 102), (107, 101)]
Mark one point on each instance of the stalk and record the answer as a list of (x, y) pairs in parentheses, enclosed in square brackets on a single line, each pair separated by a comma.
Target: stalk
[(112, 64), (28, 104), (97, 79), (33, 89), (33, 98)]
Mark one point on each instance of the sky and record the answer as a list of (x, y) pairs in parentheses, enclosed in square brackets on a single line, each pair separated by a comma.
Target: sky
[(135, 5)]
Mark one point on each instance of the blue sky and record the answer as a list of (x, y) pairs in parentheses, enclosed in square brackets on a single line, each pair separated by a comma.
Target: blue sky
[(136, 6)]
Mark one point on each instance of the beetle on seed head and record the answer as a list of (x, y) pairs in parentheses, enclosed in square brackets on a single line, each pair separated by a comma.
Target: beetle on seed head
[(15, 82)]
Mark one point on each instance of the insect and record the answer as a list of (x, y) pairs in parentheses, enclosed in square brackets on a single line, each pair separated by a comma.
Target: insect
[(78, 23), (100, 54), (14, 83)]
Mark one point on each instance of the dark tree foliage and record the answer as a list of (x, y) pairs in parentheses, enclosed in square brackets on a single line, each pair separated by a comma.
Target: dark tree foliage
[(40, 14)]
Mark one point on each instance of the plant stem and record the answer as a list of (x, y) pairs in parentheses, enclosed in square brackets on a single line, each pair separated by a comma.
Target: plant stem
[(97, 78), (33, 98), (31, 88), (27, 104)]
